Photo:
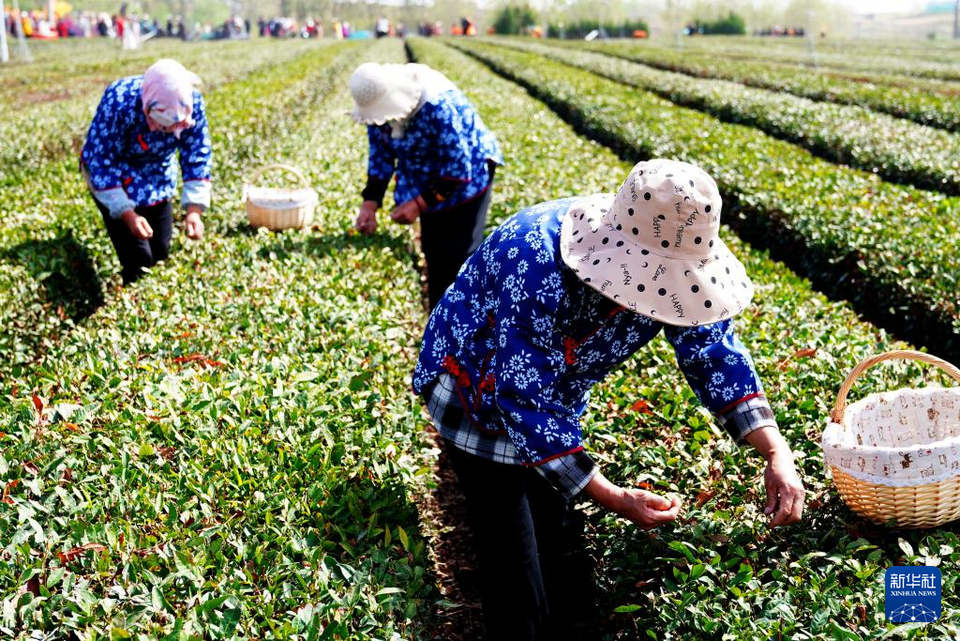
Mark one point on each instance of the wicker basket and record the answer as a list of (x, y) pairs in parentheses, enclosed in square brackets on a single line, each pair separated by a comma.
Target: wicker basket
[(895, 456), (280, 208)]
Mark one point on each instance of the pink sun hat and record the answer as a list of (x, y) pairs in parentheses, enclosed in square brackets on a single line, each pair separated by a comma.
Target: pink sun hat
[(167, 96)]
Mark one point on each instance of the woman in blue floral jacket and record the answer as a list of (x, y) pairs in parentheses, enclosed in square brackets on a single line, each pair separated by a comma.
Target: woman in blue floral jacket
[(555, 299), (422, 129), (129, 162)]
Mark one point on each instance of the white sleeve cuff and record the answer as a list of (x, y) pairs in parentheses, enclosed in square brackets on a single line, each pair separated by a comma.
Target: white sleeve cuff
[(115, 200), (196, 192)]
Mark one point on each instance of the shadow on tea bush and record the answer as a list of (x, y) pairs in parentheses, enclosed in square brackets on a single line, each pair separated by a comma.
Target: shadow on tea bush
[(65, 269)]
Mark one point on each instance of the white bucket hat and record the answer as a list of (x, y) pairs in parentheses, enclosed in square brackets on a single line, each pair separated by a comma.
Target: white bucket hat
[(383, 92), (654, 247)]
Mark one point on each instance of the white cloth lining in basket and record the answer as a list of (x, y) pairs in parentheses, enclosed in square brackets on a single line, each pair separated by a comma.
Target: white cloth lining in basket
[(903, 438), (295, 199)]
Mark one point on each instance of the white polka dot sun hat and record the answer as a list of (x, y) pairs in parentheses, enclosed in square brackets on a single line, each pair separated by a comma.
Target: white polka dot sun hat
[(383, 92), (654, 247)]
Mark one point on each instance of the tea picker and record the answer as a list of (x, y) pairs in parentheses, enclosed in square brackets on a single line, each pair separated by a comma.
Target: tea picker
[(553, 301), (129, 162), (422, 129)]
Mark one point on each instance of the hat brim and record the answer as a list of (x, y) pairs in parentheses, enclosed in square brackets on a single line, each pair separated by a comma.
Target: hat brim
[(675, 291), (395, 104)]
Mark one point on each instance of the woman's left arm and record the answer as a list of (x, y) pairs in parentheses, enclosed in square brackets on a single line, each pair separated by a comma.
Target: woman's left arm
[(784, 488), (447, 130), (721, 373), (196, 161)]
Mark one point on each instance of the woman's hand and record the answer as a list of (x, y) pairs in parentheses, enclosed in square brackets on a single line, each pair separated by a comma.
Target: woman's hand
[(194, 225), (646, 509), (137, 225), (784, 490), (367, 218), (408, 212), (784, 487)]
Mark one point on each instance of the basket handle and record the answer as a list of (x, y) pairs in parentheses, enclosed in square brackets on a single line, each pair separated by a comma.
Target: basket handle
[(902, 354), (282, 167)]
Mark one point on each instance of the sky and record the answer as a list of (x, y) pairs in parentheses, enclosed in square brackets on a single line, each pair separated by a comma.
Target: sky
[(883, 6)]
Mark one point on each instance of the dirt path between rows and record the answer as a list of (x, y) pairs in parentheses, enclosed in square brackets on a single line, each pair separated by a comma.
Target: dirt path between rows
[(443, 522), (443, 516)]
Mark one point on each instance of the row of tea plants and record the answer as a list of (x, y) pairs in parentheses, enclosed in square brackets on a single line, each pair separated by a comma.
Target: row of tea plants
[(228, 448), (886, 247), (922, 101), (898, 150), (935, 62), (719, 572), (75, 69), (798, 50)]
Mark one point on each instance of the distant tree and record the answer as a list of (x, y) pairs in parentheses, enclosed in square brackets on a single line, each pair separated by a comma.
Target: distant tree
[(513, 19), (733, 24), (581, 28)]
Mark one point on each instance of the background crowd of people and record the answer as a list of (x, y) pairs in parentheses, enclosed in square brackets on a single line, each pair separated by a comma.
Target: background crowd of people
[(287, 27), (79, 24), (89, 24), (133, 29), (778, 30)]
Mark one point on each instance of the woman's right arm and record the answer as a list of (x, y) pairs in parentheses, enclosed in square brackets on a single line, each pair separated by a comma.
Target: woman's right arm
[(105, 169), (380, 168)]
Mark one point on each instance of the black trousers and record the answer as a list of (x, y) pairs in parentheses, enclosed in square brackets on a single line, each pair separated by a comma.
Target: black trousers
[(134, 254), (448, 237), (535, 578)]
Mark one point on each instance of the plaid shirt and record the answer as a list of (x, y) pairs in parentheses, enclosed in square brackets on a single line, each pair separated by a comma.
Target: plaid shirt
[(570, 473)]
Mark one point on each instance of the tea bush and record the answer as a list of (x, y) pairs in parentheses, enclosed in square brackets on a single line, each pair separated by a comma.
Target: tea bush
[(74, 69), (895, 149), (799, 50), (883, 246), (936, 62), (926, 102)]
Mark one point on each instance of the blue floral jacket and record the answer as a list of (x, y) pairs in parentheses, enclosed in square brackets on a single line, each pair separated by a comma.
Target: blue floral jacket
[(129, 166), (446, 140), (527, 340)]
